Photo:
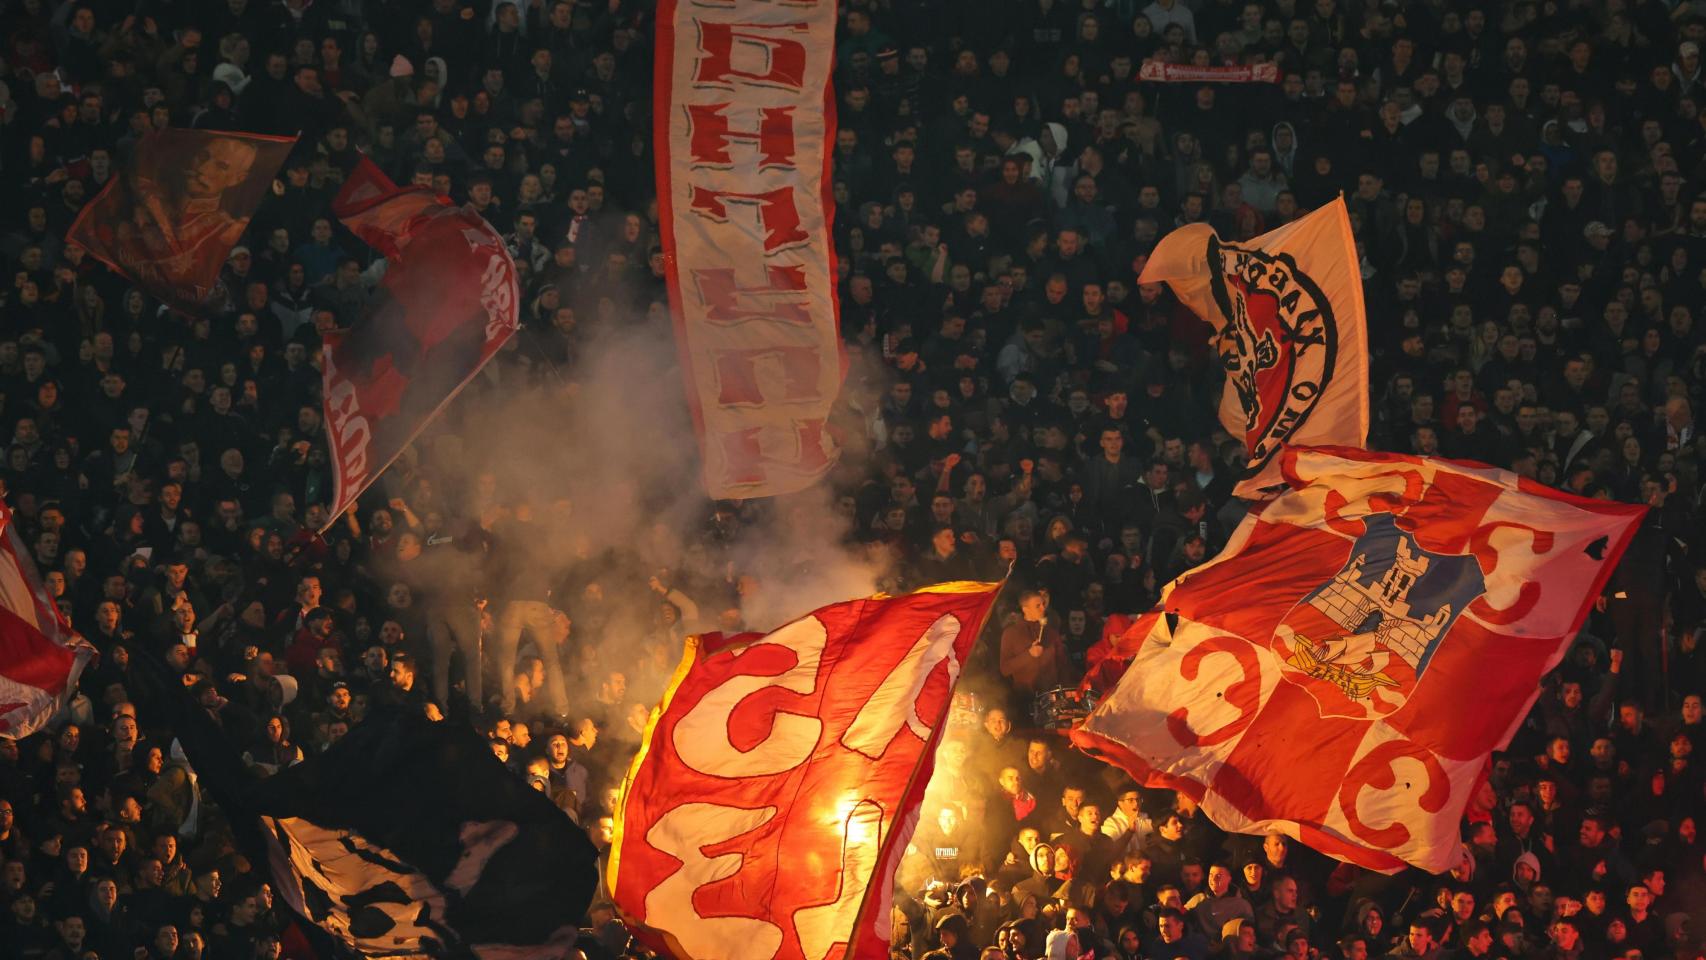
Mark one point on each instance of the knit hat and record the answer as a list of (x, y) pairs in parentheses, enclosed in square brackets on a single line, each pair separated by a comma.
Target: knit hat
[(956, 923), (401, 67)]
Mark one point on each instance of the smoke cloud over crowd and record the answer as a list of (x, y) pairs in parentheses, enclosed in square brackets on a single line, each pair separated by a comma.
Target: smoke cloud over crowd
[(608, 453)]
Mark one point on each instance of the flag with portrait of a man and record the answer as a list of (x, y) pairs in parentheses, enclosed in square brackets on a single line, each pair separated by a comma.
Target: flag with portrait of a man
[(170, 218)]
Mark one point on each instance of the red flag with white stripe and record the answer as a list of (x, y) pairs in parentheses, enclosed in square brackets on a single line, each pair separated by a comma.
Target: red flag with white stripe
[(1342, 670), (743, 124), (40, 658)]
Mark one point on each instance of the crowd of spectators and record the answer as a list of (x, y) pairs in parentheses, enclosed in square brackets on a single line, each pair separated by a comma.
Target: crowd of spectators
[(1525, 182)]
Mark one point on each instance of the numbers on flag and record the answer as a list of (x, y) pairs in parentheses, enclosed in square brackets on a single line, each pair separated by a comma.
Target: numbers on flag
[(1244, 694), (1378, 771), (1488, 554)]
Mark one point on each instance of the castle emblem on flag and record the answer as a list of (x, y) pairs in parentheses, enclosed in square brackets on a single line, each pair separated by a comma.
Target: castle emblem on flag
[(1369, 632)]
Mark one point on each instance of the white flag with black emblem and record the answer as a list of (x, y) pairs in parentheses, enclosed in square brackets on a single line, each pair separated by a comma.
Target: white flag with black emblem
[(1290, 331)]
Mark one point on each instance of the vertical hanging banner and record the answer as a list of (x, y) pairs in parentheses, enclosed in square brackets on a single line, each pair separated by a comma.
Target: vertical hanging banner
[(170, 219), (447, 304), (1290, 330), (745, 115), (1342, 670), (778, 783)]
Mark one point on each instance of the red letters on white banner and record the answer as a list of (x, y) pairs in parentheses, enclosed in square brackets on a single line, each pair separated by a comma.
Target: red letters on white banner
[(745, 118)]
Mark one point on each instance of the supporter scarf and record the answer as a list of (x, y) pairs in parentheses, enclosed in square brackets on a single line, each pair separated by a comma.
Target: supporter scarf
[(1157, 71)]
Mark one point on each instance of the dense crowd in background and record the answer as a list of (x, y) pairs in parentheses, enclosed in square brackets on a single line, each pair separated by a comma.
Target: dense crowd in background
[(1525, 181)]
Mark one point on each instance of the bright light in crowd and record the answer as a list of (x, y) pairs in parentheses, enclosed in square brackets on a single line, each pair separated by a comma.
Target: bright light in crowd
[(860, 819)]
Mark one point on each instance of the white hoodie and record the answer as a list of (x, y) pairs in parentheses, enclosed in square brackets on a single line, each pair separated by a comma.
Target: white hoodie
[(1057, 174)]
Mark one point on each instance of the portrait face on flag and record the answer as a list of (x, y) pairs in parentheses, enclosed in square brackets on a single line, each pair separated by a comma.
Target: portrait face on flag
[(171, 217), (1401, 610)]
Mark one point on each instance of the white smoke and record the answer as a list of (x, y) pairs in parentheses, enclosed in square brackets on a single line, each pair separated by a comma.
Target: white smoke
[(613, 436)]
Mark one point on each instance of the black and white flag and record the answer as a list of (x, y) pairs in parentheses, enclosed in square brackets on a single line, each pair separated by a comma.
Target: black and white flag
[(408, 838)]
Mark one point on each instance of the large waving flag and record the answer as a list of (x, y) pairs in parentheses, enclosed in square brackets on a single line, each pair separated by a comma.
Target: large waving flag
[(170, 219), (405, 839), (40, 658), (745, 116), (408, 838), (447, 304), (778, 783), (1341, 671), (1290, 330)]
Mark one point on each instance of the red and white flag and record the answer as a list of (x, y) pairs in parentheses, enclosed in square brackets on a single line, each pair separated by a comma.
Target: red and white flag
[(446, 305), (779, 781), (40, 658), (1160, 71), (744, 120), (1290, 329), (1342, 670)]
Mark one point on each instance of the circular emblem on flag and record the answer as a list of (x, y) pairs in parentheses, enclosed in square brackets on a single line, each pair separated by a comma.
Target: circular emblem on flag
[(1279, 344)]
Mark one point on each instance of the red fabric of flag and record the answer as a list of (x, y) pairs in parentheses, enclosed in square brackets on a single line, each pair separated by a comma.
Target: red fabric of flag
[(40, 658), (447, 304), (779, 781), (1342, 670), (170, 218)]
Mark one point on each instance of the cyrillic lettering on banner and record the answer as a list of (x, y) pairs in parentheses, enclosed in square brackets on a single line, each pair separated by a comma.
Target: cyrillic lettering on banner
[(743, 135)]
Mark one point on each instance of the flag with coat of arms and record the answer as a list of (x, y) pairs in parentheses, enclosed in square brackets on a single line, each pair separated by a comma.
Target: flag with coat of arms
[(1342, 670)]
